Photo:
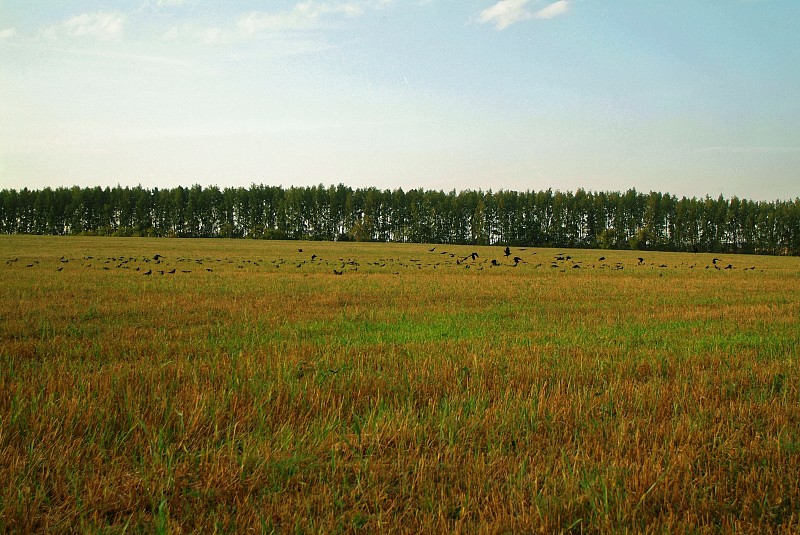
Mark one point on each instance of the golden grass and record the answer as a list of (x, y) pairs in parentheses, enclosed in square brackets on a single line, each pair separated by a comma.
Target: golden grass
[(409, 394)]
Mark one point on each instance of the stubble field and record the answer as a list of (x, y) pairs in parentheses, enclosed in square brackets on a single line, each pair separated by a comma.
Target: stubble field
[(176, 386)]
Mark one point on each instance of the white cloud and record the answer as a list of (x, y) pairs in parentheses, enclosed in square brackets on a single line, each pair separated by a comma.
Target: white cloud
[(553, 10), (209, 35), (103, 26), (303, 16), (170, 3), (8, 33), (310, 14), (507, 12)]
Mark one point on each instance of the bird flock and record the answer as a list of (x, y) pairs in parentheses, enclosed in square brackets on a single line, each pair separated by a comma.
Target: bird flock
[(435, 257)]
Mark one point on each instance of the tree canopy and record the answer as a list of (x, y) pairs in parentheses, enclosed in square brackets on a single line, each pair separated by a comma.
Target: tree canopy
[(629, 220)]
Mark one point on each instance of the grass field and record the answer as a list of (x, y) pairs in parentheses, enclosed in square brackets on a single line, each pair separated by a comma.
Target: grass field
[(256, 389)]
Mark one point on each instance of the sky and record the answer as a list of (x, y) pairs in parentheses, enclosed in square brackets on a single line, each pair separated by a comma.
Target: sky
[(688, 97)]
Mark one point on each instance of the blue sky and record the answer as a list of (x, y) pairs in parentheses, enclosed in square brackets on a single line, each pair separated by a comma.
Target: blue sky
[(692, 98)]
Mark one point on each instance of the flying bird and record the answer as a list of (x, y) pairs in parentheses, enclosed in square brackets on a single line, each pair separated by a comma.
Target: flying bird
[(507, 252)]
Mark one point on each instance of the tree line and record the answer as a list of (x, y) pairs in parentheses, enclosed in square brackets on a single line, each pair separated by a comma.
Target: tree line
[(547, 218)]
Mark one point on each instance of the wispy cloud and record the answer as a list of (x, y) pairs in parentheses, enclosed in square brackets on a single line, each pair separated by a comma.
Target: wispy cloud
[(310, 14), (100, 25), (303, 16), (507, 12), (208, 35), (8, 33), (170, 3), (553, 10)]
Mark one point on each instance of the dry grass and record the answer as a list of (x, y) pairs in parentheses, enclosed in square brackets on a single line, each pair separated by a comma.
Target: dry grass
[(409, 394)]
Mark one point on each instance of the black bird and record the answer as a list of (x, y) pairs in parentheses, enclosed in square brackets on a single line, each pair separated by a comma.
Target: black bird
[(313, 257), (507, 252), (601, 258), (474, 256), (157, 257), (517, 260), (299, 250), (432, 250), (714, 261), (172, 271), (148, 272), (495, 262), (641, 260), (335, 272)]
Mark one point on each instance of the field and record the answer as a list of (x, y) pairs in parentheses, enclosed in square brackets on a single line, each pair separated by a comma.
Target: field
[(166, 385)]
